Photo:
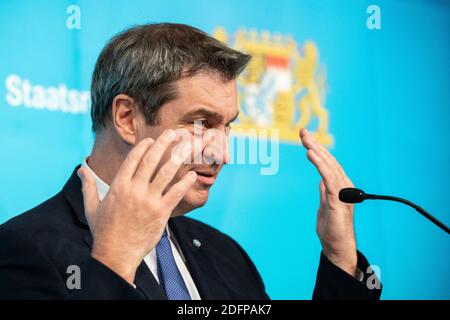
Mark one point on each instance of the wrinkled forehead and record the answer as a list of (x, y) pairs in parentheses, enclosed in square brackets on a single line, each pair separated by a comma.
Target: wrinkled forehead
[(208, 92)]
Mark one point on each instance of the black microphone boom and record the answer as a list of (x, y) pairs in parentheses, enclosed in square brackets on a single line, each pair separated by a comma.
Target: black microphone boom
[(354, 195)]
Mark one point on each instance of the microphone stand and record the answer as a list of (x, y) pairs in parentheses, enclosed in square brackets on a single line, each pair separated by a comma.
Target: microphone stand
[(353, 195)]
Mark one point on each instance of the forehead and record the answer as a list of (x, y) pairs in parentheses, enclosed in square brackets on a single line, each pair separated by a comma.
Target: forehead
[(204, 91)]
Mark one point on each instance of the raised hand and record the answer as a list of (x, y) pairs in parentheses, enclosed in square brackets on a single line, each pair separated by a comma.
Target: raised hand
[(130, 220), (335, 226)]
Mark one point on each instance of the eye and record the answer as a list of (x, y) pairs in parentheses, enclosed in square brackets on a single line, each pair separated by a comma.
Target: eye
[(203, 123), (200, 125)]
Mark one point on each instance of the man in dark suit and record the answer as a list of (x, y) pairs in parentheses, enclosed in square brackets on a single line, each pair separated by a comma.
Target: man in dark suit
[(163, 98)]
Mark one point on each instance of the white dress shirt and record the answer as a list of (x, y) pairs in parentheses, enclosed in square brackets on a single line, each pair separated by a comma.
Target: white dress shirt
[(150, 259)]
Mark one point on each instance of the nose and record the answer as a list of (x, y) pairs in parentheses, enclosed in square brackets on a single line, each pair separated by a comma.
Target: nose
[(216, 151)]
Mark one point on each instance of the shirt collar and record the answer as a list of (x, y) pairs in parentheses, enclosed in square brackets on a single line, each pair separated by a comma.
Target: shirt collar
[(102, 186)]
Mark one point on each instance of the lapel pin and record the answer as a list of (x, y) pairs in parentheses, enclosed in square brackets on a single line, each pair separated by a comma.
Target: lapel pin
[(196, 243)]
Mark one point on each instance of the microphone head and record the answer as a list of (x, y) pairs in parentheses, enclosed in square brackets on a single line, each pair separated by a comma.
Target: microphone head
[(352, 195)]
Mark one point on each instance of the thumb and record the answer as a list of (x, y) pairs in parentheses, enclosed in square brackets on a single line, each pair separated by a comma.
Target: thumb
[(90, 195)]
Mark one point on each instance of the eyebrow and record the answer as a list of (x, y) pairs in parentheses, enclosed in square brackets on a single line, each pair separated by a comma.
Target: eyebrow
[(234, 118), (207, 114)]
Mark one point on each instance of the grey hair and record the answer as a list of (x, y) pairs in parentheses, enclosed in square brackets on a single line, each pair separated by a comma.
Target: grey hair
[(145, 61)]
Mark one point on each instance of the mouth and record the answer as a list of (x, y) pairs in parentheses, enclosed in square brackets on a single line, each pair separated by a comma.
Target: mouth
[(206, 177)]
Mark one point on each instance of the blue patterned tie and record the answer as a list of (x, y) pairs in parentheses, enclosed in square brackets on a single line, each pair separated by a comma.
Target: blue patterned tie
[(169, 276)]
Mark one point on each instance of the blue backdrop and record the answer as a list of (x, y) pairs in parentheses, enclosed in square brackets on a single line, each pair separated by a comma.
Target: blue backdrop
[(388, 101)]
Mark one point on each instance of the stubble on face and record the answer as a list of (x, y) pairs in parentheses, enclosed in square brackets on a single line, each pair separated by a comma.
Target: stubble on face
[(203, 98)]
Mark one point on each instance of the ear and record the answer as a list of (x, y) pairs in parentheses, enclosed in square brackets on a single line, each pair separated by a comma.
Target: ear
[(126, 117)]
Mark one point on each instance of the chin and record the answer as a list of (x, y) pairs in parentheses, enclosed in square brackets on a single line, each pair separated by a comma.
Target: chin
[(194, 199)]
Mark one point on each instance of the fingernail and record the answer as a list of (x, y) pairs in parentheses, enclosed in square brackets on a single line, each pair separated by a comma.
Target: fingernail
[(192, 174), (80, 174), (170, 134)]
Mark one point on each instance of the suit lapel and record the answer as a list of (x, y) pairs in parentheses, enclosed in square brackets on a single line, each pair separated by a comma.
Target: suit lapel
[(72, 192), (208, 281), (145, 281)]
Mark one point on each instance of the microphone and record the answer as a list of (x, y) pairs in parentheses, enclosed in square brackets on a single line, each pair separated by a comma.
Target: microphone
[(354, 195)]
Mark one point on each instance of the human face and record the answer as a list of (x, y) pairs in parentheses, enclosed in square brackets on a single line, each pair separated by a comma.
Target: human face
[(203, 98)]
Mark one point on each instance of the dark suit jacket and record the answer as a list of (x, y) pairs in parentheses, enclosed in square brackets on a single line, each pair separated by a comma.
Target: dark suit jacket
[(37, 247)]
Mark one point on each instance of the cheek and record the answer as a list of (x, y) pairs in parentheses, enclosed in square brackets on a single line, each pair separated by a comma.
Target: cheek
[(164, 159)]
